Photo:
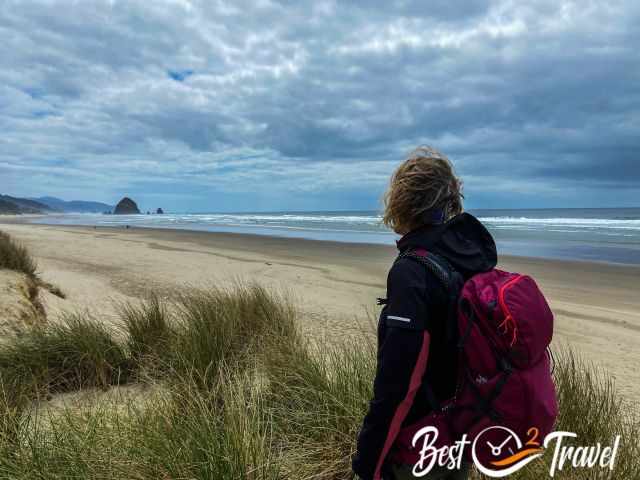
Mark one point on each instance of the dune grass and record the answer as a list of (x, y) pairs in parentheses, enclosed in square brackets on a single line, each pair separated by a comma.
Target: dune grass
[(230, 326), (147, 329), (212, 423), (244, 396), (187, 433), (15, 256), (318, 396), (73, 354)]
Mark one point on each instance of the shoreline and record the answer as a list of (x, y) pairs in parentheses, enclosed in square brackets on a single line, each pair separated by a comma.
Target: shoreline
[(271, 237), (335, 284)]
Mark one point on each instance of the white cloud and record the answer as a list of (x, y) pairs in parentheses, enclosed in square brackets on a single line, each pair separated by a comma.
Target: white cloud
[(312, 97)]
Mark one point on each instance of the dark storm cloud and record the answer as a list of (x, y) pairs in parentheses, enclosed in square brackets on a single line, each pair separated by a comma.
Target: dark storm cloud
[(307, 97)]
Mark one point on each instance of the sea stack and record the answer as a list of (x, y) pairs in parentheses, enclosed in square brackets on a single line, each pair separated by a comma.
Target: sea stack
[(159, 211), (126, 206)]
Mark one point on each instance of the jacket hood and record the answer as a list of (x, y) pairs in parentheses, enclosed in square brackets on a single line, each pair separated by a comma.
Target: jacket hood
[(463, 241)]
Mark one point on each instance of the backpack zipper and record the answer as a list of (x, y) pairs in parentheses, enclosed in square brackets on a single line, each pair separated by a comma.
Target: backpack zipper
[(508, 319)]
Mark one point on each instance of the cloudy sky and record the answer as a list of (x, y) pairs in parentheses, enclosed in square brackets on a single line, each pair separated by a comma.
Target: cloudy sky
[(205, 105)]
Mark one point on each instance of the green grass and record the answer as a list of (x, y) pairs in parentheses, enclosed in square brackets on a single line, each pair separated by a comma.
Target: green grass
[(71, 355), (318, 395), (14, 401), (238, 394), (219, 326), (147, 328), (186, 434), (212, 423), (76, 354), (15, 256)]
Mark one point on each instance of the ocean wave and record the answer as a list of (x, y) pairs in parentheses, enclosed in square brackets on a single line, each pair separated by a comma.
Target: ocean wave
[(361, 222), (564, 222), (251, 218), (301, 218)]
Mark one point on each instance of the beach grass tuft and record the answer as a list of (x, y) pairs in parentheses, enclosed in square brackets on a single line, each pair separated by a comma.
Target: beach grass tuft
[(147, 328), (240, 394), (76, 353), (229, 326), (318, 395), (15, 256), (591, 407), (186, 433)]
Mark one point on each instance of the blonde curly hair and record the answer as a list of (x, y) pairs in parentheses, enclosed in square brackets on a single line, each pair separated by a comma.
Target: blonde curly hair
[(423, 187)]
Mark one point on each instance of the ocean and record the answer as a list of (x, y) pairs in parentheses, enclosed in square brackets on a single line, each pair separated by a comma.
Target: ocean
[(599, 234)]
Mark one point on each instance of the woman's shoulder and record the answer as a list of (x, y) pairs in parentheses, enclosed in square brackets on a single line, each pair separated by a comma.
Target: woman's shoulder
[(405, 268), (407, 271)]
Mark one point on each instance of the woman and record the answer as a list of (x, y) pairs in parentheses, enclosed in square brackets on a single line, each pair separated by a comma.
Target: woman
[(417, 361)]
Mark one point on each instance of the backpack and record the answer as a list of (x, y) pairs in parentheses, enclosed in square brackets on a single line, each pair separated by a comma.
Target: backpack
[(504, 327)]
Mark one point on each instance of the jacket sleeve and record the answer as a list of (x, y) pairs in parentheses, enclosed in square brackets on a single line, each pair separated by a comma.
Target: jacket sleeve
[(402, 359)]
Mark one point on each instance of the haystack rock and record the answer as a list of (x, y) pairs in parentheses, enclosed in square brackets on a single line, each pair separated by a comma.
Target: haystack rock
[(126, 206), (159, 211)]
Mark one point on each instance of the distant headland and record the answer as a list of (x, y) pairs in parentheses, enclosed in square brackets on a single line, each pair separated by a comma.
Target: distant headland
[(10, 205), (42, 205)]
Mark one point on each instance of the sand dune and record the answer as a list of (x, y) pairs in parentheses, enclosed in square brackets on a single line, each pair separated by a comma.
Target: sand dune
[(19, 303)]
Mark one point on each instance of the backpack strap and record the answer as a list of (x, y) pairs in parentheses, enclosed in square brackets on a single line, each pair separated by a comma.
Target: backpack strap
[(484, 405), (437, 265), (446, 275)]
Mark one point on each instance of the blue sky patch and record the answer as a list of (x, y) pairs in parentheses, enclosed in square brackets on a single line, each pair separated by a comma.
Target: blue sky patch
[(179, 75)]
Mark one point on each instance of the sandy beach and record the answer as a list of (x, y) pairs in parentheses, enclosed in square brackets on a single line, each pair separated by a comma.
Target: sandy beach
[(335, 284)]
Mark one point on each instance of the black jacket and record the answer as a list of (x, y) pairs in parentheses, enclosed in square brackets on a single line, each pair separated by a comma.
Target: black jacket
[(413, 350)]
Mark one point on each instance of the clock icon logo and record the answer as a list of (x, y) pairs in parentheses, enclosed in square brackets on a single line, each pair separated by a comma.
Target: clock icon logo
[(498, 451)]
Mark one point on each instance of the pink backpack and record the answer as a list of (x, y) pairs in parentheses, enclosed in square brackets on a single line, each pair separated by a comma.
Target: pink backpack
[(505, 326)]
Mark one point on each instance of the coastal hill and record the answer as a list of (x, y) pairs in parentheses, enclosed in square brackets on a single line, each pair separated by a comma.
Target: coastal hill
[(74, 206), (15, 206), (126, 206), (8, 208)]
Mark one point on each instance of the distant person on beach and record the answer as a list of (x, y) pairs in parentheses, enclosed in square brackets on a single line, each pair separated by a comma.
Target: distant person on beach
[(417, 358)]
